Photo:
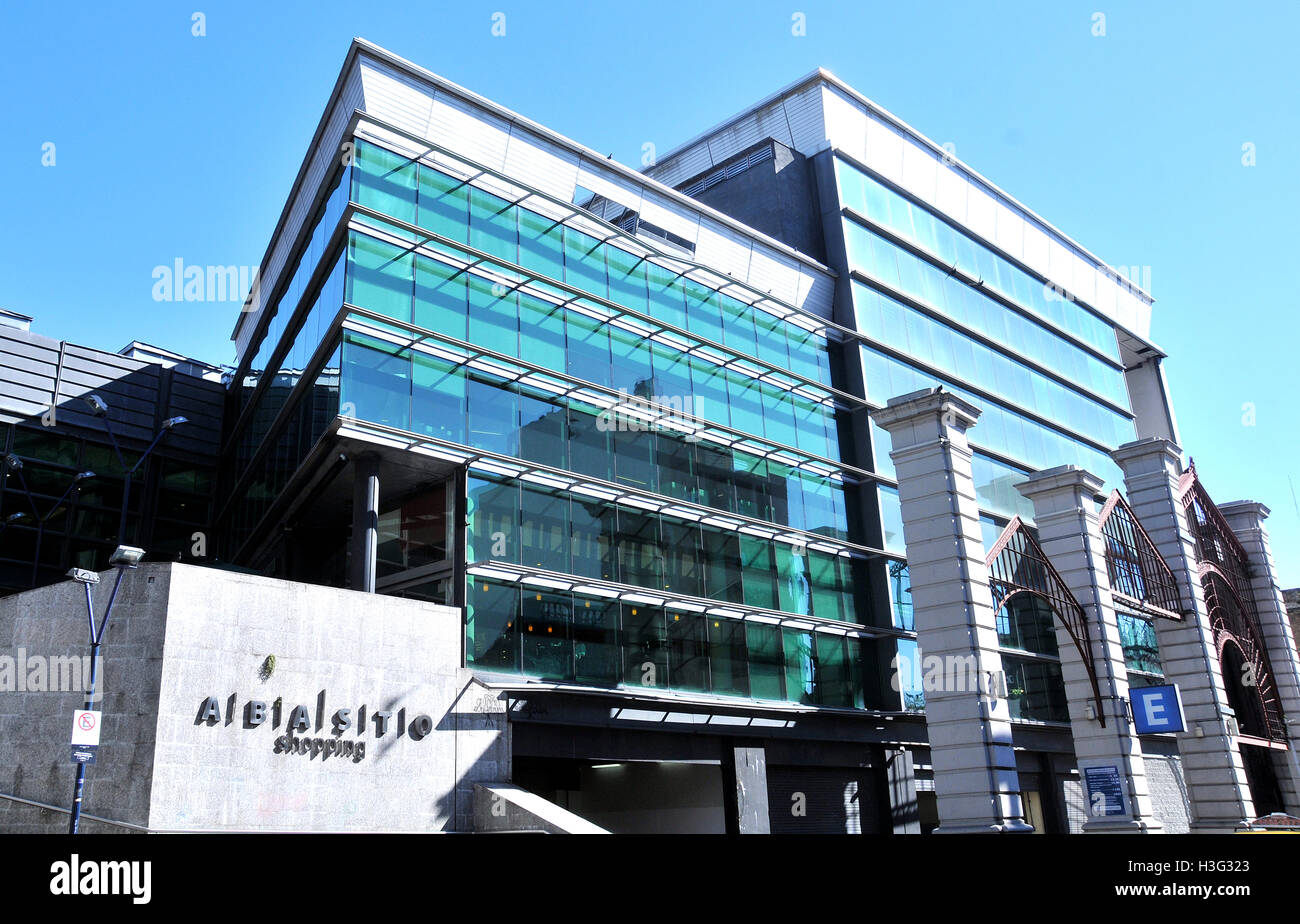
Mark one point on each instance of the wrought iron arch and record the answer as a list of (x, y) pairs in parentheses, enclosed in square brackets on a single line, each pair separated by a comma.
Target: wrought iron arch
[(1139, 576), (1224, 570), (1018, 565)]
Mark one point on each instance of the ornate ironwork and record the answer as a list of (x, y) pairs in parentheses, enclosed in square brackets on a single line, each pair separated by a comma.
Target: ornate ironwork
[(1139, 576), (1224, 570), (1018, 565)]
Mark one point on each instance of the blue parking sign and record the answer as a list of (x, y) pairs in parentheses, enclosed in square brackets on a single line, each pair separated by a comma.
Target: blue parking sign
[(1157, 709)]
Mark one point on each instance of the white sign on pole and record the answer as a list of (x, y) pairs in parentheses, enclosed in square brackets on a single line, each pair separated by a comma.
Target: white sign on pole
[(85, 728)]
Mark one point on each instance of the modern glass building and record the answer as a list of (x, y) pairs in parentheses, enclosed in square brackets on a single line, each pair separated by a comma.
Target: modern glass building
[(622, 419), (622, 422)]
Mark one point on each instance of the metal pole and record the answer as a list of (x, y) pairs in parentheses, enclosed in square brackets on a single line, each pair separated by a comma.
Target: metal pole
[(96, 639)]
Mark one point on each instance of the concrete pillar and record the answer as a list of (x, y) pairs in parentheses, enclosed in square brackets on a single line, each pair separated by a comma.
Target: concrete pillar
[(904, 812), (1217, 789), (744, 797), (1065, 513), (1247, 521), (968, 721), (365, 523)]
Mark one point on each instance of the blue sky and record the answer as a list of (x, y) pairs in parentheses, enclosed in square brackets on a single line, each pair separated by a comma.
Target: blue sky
[(169, 145)]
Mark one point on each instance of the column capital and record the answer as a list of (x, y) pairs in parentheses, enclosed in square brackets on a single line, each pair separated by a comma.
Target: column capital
[(1077, 483), (1149, 453), (928, 414), (1244, 514)]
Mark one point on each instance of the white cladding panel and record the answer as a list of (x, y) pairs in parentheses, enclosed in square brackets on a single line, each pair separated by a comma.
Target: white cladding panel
[(807, 120), (396, 98), (542, 166), (723, 249), (658, 210), (689, 163)]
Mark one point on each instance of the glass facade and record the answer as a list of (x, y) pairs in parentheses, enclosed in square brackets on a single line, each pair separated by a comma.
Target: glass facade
[(936, 306), (471, 320), (48, 526), (533, 334)]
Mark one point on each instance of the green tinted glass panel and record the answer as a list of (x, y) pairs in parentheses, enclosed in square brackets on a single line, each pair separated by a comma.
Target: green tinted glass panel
[(440, 298), (438, 402), (384, 181), (766, 661), (381, 277), (800, 668), (443, 204)]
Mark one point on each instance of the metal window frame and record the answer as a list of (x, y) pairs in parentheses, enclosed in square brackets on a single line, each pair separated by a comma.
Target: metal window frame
[(1222, 561), (1124, 535), (1018, 565)]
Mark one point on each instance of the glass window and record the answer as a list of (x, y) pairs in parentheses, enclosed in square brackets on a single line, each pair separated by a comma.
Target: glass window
[(544, 646), (493, 418), (584, 263), (688, 652), (627, 279), (631, 357), (381, 277), (541, 332), (640, 553), (703, 312), (593, 530), (722, 565), (443, 204), (800, 668), (590, 448), (544, 529), (493, 316), (376, 381), (541, 245), (682, 554), (491, 632), (595, 641), (492, 225), (766, 661), (757, 573), (440, 298), (727, 661), (588, 350), (792, 584), (645, 647), (438, 402), (493, 517), (384, 181), (543, 432), (667, 296)]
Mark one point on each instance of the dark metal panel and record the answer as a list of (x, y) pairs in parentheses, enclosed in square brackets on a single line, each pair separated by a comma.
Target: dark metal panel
[(819, 800)]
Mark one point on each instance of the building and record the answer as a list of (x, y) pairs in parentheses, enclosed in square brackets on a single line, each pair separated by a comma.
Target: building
[(685, 454)]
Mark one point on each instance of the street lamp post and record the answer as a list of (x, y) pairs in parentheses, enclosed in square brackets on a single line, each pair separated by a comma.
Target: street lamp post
[(124, 558)]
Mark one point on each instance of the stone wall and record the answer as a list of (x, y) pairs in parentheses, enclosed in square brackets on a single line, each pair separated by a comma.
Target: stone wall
[(185, 665)]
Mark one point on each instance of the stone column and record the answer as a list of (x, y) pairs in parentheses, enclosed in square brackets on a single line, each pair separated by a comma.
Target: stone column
[(904, 811), (365, 523), (1217, 789), (1247, 521), (968, 721), (744, 797), (1065, 513)]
